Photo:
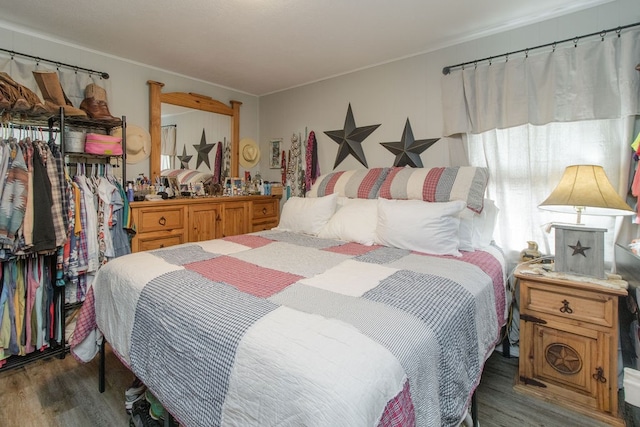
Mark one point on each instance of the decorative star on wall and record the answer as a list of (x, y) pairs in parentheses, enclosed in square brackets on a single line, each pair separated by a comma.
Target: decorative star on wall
[(350, 139), (184, 159), (579, 249), (203, 150), (408, 149)]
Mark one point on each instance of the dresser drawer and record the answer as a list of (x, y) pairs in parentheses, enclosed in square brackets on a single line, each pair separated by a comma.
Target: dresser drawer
[(262, 226), (264, 209), (150, 243), (569, 303), (158, 219)]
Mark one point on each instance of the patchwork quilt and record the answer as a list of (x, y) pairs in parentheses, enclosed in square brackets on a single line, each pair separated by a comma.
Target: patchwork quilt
[(278, 328)]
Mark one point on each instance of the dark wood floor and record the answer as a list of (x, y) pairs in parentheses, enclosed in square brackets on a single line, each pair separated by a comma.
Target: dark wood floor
[(65, 393)]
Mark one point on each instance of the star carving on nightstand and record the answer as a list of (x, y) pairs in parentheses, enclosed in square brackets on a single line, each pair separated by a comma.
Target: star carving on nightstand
[(408, 150), (579, 249), (184, 159), (350, 139), (203, 150), (563, 359)]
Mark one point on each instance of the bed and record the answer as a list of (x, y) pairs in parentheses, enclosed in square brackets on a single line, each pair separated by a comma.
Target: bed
[(294, 326)]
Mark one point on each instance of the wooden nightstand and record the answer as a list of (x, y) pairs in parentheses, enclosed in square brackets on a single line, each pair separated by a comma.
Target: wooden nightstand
[(569, 344)]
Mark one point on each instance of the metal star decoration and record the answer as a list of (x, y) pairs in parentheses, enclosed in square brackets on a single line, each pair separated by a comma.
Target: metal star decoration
[(579, 249), (350, 139), (184, 159), (203, 150), (408, 150)]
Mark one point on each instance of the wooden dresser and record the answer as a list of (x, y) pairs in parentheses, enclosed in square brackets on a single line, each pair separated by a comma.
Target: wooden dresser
[(569, 344), (165, 223)]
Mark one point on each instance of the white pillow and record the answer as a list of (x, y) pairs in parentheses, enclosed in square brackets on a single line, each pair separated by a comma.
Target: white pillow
[(466, 229), (476, 229), (307, 215), (355, 221), (484, 224), (420, 226)]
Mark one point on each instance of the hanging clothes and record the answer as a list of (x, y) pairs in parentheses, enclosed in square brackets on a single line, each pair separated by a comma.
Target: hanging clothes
[(44, 233), (295, 173), (13, 200), (283, 168), (226, 161), (312, 171), (56, 193), (217, 165)]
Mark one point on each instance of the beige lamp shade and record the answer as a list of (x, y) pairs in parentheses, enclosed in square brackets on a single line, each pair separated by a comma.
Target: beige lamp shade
[(586, 189)]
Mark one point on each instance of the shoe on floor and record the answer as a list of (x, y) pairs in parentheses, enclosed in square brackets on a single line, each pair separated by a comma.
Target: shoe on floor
[(140, 415), (156, 410), (133, 394)]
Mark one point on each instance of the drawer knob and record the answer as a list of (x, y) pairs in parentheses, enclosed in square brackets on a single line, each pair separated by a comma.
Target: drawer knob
[(264, 211), (162, 245), (565, 307), (162, 221), (599, 375)]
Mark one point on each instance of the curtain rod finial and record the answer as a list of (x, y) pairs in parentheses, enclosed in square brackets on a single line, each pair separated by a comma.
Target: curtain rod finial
[(446, 70)]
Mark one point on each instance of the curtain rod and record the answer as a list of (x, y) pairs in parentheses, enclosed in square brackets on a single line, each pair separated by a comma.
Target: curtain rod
[(446, 70), (169, 126), (56, 63)]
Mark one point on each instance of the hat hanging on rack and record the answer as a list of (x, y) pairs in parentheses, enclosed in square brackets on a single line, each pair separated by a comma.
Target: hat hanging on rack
[(249, 153), (138, 143)]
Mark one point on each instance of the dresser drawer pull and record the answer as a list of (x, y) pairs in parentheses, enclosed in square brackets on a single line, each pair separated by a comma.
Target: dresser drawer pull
[(162, 221), (264, 211), (565, 307), (599, 375)]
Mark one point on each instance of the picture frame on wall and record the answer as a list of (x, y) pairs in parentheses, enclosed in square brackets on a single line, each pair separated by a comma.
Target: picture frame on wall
[(275, 158)]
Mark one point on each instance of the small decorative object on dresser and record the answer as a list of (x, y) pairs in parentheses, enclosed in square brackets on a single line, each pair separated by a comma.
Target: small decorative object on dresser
[(569, 342), (530, 253)]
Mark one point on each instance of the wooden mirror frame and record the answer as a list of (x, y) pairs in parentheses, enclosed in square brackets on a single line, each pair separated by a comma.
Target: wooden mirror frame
[(188, 100)]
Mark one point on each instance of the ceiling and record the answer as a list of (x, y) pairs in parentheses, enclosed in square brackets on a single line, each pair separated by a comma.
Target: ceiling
[(264, 46)]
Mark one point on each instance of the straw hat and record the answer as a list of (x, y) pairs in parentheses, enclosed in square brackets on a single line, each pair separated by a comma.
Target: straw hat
[(138, 143), (249, 153)]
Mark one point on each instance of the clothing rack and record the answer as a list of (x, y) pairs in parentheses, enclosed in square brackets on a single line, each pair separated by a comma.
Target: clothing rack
[(38, 59), (446, 70)]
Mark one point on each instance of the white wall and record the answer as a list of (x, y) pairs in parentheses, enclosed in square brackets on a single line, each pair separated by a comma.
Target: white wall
[(390, 93), (128, 93)]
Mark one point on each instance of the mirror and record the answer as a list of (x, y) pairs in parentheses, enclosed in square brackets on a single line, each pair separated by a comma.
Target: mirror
[(188, 100)]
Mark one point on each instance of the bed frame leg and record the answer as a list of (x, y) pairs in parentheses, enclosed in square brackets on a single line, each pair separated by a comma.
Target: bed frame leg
[(101, 368), (474, 409)]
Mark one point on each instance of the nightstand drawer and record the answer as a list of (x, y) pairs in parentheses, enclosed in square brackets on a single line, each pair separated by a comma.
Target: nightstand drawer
[(569, 303)]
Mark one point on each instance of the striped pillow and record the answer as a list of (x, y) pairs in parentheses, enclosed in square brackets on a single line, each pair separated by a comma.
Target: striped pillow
[(188, 176), (357, 183), (443, 184)]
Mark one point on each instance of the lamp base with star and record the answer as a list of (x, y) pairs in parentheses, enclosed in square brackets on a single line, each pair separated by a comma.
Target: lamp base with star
[(579, 250)]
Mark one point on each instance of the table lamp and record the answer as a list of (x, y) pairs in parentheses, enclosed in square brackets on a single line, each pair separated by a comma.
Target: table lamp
[(583, 189)]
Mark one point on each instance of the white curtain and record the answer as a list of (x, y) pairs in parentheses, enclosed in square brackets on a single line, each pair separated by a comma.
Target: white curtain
[(526, 163), (168, 146), (529, 118), (595, 80)]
